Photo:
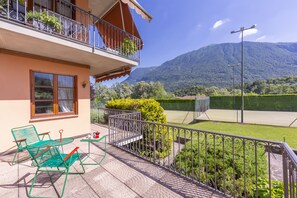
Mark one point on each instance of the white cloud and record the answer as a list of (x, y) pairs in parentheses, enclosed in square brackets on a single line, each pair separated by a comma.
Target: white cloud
[(248, 32), (219, 23), (261, 38)]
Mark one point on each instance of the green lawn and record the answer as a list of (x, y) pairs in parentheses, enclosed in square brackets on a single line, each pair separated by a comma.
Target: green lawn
[(256, 131)]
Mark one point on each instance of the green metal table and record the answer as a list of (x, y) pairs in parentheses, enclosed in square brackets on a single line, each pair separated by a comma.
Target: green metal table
[(58, 142), (61, 142), (55, 143), (89, 141)]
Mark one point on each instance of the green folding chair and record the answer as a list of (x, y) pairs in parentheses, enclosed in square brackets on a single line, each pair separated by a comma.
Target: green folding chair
[(27, 135), (50, 159)]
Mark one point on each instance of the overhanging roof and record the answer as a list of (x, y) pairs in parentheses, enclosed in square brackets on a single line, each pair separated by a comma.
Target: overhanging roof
[(133, 4), (119, 15), (113, 74), (101, 7)]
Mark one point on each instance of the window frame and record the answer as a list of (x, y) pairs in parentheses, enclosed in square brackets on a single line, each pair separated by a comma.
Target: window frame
[(55, 112)]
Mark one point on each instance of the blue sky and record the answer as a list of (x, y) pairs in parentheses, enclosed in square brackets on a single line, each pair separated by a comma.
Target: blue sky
[(182, 26)]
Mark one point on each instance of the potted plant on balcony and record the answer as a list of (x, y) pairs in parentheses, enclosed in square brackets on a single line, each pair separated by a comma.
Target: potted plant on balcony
[(44, 21), (2, 5), (128, 47), (19, 5)]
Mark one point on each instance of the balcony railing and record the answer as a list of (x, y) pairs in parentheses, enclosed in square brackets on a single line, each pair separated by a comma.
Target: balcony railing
[(73, 23), (289, 171), (233, 165)]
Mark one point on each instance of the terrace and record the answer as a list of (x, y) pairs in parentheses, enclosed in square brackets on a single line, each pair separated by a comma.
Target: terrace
[(120, 175), (150, 159)]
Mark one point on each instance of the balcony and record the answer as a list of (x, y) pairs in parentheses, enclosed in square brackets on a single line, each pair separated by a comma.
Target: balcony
[(70, 34)]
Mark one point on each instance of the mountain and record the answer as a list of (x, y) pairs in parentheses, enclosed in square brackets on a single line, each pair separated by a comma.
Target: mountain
[(139, 74), (208, 66)]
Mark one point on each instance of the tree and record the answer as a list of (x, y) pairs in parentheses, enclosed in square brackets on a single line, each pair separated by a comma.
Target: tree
[(149, 90), (102, 94), (92, 91), (122, 90)]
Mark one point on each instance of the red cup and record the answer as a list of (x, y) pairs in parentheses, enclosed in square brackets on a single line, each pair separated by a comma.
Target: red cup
[(96, 134)]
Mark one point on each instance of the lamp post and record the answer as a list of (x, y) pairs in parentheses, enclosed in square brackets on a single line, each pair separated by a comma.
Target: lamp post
[(241, 30), (233, 86)]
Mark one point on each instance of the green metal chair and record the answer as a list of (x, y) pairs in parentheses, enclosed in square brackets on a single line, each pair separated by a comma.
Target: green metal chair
[(50, 159), (27, 135)]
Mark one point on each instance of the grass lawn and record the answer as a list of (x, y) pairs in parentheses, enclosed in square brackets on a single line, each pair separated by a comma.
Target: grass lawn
[(249, 130)]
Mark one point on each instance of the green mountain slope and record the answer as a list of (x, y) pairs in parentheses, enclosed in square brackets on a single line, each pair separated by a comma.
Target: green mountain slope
[(208, 66), (139, 74)]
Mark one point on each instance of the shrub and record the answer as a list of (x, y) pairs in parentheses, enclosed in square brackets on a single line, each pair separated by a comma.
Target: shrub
[(96, 117), (150, 111), (259, 102), (218, 171), (45, 18), (277, 189), (178, 104), (2, 4), (128, 47)]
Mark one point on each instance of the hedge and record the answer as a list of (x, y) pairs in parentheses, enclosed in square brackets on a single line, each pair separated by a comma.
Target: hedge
[(150, 110), (258, 102), (178, 104)]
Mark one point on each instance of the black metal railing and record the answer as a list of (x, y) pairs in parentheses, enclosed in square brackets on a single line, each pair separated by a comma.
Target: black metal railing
[(100, 115), (289, 171), (234, 165), (71, 22)]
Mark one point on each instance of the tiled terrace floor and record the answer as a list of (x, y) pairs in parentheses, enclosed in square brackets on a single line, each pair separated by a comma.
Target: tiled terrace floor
[(119, 175)]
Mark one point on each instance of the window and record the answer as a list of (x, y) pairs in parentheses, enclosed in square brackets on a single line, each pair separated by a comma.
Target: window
[(41, 5), (65, 8), (53, 94)]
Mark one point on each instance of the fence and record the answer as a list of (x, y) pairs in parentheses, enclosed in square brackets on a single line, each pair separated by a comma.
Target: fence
[(234, 165), (100, 115), (201, 105), (289, 171), (178, 104), (260, 103)]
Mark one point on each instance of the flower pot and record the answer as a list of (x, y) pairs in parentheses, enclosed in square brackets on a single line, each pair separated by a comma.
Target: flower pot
[(43, 26)]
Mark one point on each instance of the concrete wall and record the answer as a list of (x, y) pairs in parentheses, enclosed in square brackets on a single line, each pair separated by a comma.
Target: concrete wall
[(15, 98)]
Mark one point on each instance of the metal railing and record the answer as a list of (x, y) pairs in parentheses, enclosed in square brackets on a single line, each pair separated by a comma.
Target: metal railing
[(71, 22), (234, 165), (289, 171), (131, 130), (100, 115)]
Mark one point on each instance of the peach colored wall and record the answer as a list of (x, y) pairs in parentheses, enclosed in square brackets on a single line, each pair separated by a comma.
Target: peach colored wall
[(15, 98)]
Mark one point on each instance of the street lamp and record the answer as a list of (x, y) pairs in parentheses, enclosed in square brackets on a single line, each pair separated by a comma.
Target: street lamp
[(233, 86), (241, 30)]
